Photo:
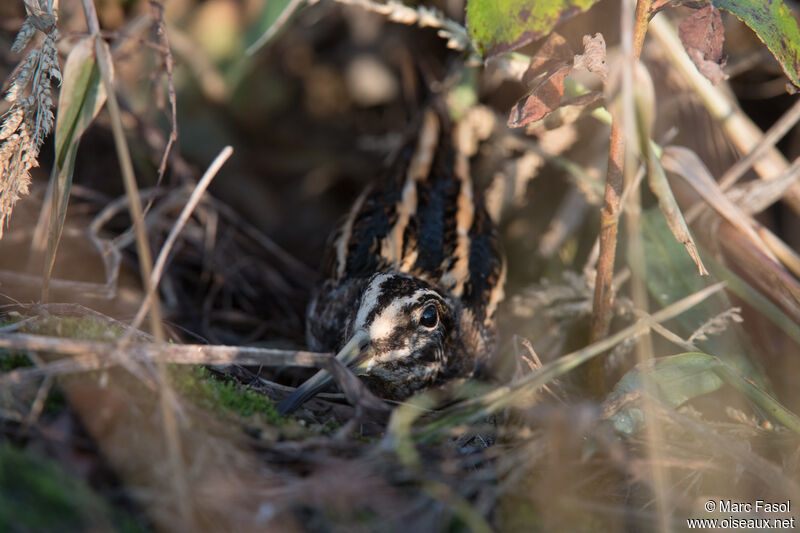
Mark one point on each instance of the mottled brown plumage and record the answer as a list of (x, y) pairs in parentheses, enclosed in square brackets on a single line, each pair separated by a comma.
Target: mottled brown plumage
[(412, 277)]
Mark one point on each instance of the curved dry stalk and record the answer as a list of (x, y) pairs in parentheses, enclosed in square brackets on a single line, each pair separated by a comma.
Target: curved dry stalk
[(161, 261)]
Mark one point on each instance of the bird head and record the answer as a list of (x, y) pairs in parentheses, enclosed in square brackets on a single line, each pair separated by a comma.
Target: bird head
[(401, 338)]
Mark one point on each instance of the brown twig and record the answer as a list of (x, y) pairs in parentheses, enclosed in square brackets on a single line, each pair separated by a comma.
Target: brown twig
[(609, 221), (96, 355)]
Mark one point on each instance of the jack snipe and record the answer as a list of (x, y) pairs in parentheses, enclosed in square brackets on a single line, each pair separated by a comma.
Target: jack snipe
[(412, 277)]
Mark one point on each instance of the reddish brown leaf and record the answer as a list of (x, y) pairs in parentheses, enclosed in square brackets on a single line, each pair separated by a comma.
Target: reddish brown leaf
[(543, 99), (702, 35), (546, 73), (593, 57), (554, 54)]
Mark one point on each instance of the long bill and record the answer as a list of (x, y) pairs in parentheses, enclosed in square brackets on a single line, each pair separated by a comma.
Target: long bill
[(350, 356)]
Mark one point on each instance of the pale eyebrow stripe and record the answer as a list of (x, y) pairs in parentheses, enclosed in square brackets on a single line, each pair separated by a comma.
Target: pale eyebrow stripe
[(385, 321), (370, 297)]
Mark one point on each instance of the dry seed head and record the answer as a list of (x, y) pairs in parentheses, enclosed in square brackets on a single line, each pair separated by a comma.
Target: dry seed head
[(24, 36), (30, 117), (10, 124)]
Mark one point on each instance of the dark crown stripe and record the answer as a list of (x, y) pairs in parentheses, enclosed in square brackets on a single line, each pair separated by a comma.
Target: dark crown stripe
[(438, 199), (392, 246), (341, 245), (484, 290)]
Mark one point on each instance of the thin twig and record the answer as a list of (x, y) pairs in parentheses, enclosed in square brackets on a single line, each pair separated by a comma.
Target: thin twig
[(129, 180), (166, 396), (96, 355), (609, 221)]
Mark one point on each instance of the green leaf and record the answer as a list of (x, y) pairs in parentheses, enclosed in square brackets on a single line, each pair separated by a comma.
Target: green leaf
[(677, 379), (80, 99), (497, 26), (671, 275), (774, 24)]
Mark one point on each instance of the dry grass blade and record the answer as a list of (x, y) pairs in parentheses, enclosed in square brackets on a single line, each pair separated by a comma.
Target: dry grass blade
[(81, 98), (502, 397), (280, 20), (768, 141), (742, 131), (672, 213), (687, 164), (128, 177), (423, 16), (166, 396), (762, 271), (755, 196), (644, 99), (161, 261), (758, 301)]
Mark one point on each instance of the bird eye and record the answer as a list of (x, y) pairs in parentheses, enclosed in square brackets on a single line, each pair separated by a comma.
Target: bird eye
[(429, 317)]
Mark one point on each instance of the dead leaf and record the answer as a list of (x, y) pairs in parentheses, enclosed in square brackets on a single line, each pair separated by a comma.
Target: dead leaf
[(688, 165), (569, 111), (541, 101), (546, 72), (554, 54), (702, 35), (593, 57)]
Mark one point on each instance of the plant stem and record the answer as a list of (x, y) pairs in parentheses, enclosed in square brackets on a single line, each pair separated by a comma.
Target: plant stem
[(609, 220), (166, 395)]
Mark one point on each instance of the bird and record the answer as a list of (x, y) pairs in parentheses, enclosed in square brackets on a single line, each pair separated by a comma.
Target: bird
[(412, 277)]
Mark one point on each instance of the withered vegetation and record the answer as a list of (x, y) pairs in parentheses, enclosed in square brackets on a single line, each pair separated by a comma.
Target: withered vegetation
[(109, 427)]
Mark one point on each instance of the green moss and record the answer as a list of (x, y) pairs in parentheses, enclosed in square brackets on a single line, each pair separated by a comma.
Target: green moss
[(85, 328), (38, 495), (11, 361), (222, 396)]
